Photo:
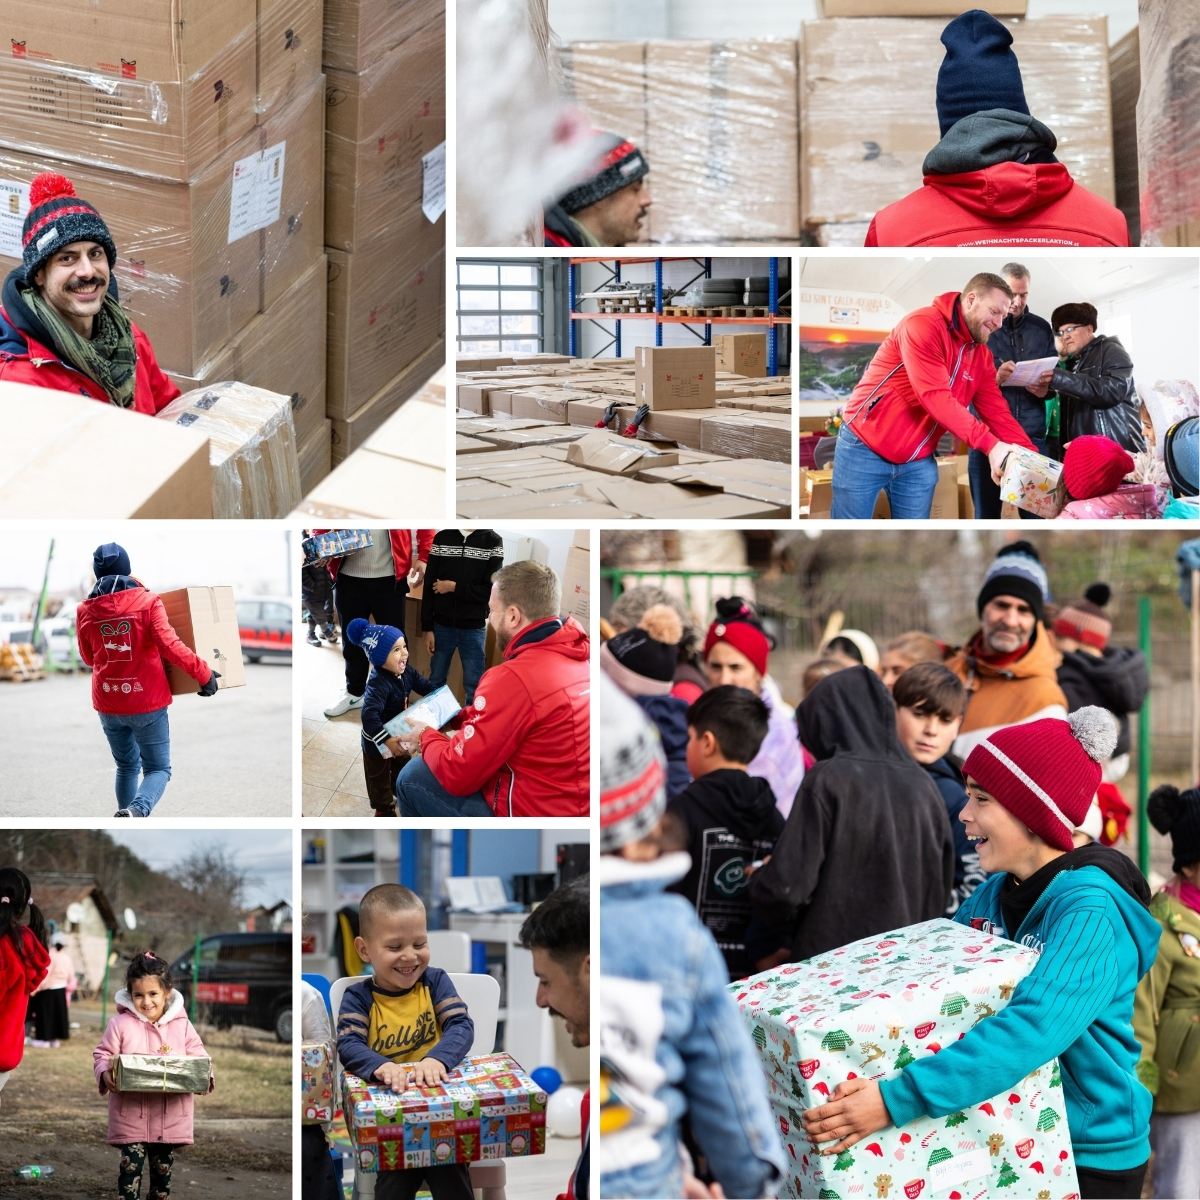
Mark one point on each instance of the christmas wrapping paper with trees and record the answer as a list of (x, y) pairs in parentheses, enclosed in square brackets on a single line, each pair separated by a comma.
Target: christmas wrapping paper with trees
[(316, 1083), (1033, 482), (866, 1011), (487, 1109)]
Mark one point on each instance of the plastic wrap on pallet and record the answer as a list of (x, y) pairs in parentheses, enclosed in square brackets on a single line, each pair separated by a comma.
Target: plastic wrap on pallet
[(252, 447), (1125, 81), (869, 114), (289, 50), (1168, 123), (748, 435), (608, 81), (358, 32), (161, 94), (381, 126)]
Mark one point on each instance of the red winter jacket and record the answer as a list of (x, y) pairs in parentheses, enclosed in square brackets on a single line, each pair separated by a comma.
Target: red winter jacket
[(524, 741), (921, 381), (1009, 204), (20, 972), (124, 637), (401, 550)]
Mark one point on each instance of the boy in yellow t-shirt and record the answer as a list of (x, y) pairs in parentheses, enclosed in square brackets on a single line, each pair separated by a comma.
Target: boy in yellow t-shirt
[(406, 1025)]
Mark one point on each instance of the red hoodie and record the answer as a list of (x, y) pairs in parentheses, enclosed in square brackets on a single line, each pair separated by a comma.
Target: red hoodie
[(524, 741), (20, 972), (123, 637), (921, 382), (1008, 204)]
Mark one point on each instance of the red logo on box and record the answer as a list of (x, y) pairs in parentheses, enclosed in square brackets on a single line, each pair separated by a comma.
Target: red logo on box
[(129, 68), (18, 49)]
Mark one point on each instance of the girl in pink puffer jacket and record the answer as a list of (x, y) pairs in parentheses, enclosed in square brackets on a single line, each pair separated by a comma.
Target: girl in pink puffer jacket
[(150, 1019)]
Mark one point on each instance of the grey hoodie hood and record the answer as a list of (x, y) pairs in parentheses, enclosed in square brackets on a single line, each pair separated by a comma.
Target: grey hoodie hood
[(986, 138)]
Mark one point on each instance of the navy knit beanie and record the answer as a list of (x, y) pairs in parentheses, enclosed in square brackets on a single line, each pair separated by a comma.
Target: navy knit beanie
[(56, 218), (1016, 571), (376, 640), (110, 559), (619, 163), (979, 72)]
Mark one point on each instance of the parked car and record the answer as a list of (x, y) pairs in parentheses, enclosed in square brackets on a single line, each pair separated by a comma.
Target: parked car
[(241, 979), (265, 625)]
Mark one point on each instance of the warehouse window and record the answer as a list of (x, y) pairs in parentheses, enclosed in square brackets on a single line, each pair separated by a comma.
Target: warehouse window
[(501, 306)]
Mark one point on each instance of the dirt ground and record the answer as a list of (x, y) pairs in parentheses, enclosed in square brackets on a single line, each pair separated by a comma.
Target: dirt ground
[(50, 1113)]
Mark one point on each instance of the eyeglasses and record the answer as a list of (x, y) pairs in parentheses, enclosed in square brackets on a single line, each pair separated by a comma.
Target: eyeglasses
[(1066, 329)]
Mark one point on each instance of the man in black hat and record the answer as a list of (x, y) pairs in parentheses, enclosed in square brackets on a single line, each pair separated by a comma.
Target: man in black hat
[(609, 206)]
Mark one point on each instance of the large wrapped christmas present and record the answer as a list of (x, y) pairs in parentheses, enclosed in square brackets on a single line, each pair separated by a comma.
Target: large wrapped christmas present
[(334, 543), (163, 1073), (489, 1108), (316, 1083), (867, 1011), (1033, 482)]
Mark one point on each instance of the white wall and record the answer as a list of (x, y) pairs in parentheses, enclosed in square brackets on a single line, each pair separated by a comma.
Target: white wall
[(1162, 343), (557, 541)]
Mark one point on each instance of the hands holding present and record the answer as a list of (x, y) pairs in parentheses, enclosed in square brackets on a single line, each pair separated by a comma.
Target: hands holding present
[(856, 1111)]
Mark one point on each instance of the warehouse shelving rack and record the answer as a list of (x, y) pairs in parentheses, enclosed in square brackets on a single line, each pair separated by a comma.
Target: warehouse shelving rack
[(772, 320)]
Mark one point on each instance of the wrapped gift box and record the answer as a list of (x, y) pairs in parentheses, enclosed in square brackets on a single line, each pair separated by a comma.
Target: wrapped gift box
[(1033, 482), (869, 1009), (163, 1073), (316, 1083), (336, 543), (489, 1108)]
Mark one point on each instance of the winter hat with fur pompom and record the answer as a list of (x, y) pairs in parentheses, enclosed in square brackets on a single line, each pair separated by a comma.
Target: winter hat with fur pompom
[(1178, 814), (1046, 772), (642, 661)]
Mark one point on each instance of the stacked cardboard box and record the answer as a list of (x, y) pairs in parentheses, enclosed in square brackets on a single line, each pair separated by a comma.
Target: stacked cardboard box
[(1125, 76)]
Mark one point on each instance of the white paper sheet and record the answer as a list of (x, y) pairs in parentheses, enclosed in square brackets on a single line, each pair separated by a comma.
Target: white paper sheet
[(1028, 372)]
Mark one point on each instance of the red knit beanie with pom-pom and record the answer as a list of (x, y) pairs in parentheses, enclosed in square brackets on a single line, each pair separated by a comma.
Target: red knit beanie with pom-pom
[(57, 217)]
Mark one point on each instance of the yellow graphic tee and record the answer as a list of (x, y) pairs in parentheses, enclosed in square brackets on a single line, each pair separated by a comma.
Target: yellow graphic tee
[(403, 1027)]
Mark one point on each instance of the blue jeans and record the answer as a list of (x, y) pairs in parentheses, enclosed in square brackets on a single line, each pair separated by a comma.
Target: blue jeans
[(859, 475), (419, 794), (985, 495), (469, 644), (141, 748)]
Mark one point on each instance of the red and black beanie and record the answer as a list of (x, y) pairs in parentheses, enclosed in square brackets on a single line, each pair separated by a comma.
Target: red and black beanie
[(56, 218), (618, 164)]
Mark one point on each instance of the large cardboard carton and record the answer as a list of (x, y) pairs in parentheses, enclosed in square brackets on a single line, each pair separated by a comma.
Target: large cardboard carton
[(315, 457), (743, 353), (750, 478), (576, 584), (358, 32), (1125, 81), (289, 50), (71, 456), (159, 89), (722, 138), (675, 377), (608, 81), (748, 435), (869, 114), (206, 620), (916, 8), (379, 125)]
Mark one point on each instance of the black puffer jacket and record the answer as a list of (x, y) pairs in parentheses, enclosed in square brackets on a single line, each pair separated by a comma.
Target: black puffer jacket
[(1116, 680), (1098, 396)]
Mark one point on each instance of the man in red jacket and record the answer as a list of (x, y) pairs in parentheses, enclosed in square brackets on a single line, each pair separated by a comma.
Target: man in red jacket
[(931, 369), (124, 635), (521, 749), (993, 179), (61, 325)]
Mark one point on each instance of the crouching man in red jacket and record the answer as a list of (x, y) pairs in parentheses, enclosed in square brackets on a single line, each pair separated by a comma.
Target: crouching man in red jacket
[(124, 635), (61, 325), (521, 749)]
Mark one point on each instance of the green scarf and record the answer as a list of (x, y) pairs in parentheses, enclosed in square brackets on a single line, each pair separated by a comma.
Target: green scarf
[(107, 357)]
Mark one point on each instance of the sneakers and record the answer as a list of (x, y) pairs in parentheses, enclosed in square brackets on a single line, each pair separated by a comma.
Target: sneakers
[(122, 812), (331, 635), (344, 704), (312, 638)]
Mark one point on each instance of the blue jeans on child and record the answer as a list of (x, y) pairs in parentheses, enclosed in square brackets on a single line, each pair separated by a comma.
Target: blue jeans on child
[(859, 475), (141, 748), (469, 644), (419, 794)]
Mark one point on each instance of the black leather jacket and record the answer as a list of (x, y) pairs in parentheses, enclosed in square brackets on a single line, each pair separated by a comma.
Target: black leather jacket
[(1098, 396)]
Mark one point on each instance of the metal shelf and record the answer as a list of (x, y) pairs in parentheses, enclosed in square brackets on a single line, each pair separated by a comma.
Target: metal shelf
[(769, 319)]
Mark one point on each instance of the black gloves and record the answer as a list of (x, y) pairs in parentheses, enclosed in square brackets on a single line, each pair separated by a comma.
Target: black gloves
[(210, 688)]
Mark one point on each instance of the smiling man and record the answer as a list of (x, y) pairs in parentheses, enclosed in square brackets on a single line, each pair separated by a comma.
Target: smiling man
[(1009, 665), (931, 370), (61, 325)]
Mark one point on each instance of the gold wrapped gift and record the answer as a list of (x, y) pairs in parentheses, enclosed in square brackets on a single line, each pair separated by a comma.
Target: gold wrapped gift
[(163, 1073)]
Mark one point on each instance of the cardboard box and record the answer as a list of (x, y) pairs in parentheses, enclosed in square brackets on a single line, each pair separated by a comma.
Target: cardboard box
[(839, 1015), (589, 412), (576, 585), (358, 32), (1125, 82), (534, 435), (754, 479), (384, 312), (252, 447), (71, 456), (205, 618), (916, 8), (816, 491), (317, 1102), (1033, 482), (378, 127), (315, 457), (736, 434), (722, 136), (289, 50), (745, 353), (966, 503), (615, 455), (159, 89), (675, 377), (608, 81), (872, 83)]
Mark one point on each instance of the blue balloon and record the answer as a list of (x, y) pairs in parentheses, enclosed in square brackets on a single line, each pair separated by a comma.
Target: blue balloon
[(547, 1078)]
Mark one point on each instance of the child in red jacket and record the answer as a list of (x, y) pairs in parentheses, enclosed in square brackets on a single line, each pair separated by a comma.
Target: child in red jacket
[(124, 636), (23, 963)]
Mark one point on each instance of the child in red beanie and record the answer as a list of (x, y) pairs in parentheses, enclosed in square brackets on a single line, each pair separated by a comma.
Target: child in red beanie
[(1085, 912)]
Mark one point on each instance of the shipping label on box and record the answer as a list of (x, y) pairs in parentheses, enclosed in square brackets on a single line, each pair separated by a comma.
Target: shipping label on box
[(676, 377), (205, 618), (868, 1010), (316, 1083), (1033, 482), (163, 1073), (487, 1109)]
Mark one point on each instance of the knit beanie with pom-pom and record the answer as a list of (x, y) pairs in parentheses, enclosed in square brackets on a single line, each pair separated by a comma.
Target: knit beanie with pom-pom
[(642, 661), (1178, 814)]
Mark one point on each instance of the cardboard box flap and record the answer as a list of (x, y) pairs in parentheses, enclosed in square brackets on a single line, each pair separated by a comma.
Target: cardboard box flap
[(205, 618), (601, 451)]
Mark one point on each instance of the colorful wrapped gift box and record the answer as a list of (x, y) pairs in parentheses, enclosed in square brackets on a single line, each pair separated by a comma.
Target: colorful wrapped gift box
[(316, 1083), (1033, 482), (489, 1108), (163, 1073), (335, 543), (869, 1009)]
